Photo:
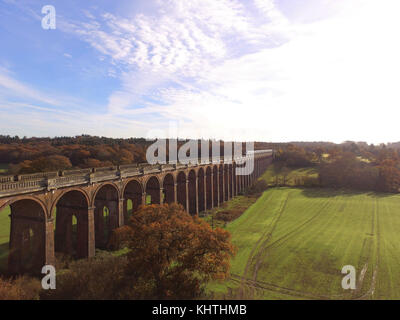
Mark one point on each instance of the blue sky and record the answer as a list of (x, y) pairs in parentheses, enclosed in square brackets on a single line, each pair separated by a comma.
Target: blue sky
[(246, 70)]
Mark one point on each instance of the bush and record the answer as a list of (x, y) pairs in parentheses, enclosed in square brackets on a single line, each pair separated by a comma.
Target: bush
[(258, 187), (228, 216), (98, 278), (22, 288)]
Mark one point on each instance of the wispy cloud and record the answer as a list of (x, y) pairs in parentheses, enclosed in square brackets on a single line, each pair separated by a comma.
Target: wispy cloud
[(12, 87)]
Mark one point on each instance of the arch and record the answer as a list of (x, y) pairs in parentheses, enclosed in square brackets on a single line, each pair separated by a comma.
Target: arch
[(230, 180), (79, 190), (106, 213), (27, 246), (181, 189), (133, 192), (72, 224), (153, 191), (235, 180), (215, 183), (221, 183), (208, 191), (226, 182), (169, 188), (192, 192), (101, 188), (15, 199), (201, 192)]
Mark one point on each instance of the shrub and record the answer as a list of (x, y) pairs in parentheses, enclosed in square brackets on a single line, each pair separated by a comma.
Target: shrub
[(97, 278), (258, 187), (22, 288)]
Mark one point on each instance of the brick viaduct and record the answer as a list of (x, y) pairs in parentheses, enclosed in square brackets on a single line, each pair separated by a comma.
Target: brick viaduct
[(81, 196)]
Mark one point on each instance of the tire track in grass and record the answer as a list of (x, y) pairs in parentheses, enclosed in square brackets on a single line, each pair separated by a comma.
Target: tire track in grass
[(262, 253), (370, 292), (369, 244), (298, 229), (254, 286), (267, 286), (264, 237), (261, 249)]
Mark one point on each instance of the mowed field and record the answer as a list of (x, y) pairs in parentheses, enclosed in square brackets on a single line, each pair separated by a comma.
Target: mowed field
[(292, 244)]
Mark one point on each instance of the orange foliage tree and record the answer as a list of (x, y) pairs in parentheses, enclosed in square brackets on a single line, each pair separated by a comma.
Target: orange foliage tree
[(173, 254)]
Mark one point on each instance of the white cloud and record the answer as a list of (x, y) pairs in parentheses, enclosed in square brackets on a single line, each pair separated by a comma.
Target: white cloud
[(336, 80), (223, 70)]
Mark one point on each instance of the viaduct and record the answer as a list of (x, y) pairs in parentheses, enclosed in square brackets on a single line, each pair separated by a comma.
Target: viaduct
[(64, 211)]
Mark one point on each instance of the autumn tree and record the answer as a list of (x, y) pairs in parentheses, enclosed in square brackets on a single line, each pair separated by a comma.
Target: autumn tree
[(389, 177), (173, 254)]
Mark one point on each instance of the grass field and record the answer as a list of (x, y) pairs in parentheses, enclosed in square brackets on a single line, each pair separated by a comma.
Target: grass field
[(4, 237), (293, 243), (269, 174)]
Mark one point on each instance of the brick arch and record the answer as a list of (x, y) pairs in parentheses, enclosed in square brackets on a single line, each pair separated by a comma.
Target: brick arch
[(221, 186), (145, 181), (113, 185), (142, 186), (192, 176), (153, 188), (39, 201), (215, 184), (235, 179), (107, 215), (209, 187), (169, 188), (133, 191), (27, 236), (181, 192), (70, 239), (201, 190), (230, 181), (226, 182), (64, 192)]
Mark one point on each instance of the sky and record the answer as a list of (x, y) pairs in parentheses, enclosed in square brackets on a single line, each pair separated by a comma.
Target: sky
[(264, 70)]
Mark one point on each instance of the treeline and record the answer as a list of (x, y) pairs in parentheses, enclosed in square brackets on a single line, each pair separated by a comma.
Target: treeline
[(29, 155), (39, 155), (349, 165)]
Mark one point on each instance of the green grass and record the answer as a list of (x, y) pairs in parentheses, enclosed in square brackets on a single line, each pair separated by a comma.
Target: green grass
[(293, 243), (270, 173), (4, 237)]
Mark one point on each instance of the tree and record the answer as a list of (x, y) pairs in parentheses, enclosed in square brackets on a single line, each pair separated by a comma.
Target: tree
[(174, 254), (52, 163)]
